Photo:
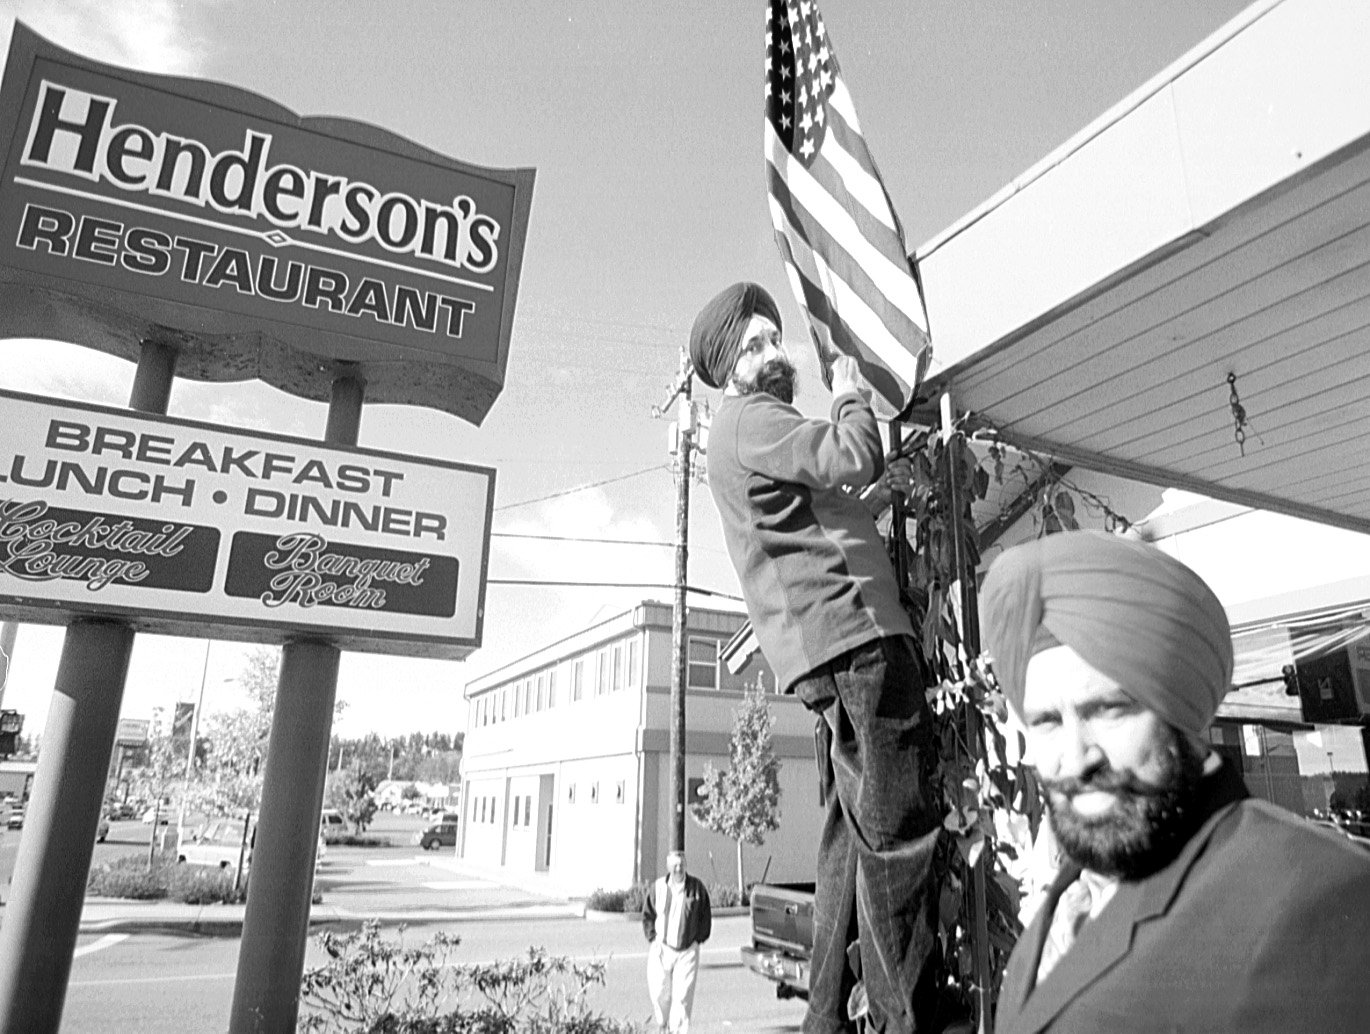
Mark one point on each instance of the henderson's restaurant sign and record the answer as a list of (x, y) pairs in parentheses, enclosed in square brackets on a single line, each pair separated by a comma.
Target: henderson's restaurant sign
[(133, 204), (178, 526)]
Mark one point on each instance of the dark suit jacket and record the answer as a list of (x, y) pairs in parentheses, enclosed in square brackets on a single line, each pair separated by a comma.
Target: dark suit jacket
[(1261, 924), (699, 916)]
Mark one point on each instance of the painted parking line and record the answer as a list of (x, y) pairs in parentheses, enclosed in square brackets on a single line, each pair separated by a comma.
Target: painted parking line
[(458, 885), (109, 940), (174, 978)]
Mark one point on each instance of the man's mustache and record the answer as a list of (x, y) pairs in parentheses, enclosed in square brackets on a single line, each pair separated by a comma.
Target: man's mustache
[(1106, 780)]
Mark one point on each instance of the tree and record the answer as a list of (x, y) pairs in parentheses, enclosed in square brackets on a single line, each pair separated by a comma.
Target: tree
[(231, 778), (743, 802), (350, 791)]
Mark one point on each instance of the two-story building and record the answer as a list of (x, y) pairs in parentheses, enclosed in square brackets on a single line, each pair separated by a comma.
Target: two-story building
[(566, 763)]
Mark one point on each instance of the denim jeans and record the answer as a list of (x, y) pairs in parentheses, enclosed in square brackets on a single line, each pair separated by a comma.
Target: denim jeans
[(875, 859)]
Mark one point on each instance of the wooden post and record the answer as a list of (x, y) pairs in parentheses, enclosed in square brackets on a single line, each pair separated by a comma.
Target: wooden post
[(679, 642)]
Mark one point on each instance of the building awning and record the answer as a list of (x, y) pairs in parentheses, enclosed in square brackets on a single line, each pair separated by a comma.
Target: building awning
[(1187, 271)]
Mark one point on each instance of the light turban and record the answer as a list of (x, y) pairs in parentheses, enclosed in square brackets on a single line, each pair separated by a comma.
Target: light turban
[(1133, 612), (716, 337)]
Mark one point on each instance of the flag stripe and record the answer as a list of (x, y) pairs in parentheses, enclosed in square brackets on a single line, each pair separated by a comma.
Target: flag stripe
[(888, 328), (855, 162), (832, 335), (860, 319), (817, 219)]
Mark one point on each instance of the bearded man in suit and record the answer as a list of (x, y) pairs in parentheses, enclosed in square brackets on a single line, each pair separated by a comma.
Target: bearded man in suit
[(1184, 905)]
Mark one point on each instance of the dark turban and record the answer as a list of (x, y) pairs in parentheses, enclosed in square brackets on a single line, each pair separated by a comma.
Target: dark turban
[(1133, 612), (716, 337)]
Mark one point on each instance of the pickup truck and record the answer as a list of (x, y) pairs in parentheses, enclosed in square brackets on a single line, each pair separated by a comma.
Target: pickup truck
[(782, 936)]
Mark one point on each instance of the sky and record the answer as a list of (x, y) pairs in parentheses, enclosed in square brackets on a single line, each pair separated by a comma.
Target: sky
[(644, 123)]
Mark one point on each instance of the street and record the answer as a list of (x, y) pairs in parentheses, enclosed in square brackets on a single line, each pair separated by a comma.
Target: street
[(157, 981)]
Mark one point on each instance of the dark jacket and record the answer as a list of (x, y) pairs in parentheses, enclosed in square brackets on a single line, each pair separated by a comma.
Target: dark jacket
[(699, 918), (1261, 924), (813, 568)]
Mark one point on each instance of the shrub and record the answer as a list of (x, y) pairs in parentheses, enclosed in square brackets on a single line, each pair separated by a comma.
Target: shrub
[(356, 840), (724, 895), (629, 900), (128, 877), (372, 985), (202, 885)]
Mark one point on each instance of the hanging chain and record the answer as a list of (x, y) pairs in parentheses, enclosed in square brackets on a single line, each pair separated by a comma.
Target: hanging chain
[(1238, 414)]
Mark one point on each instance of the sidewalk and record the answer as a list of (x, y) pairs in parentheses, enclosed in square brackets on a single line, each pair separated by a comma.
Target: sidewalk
[(115, 915)]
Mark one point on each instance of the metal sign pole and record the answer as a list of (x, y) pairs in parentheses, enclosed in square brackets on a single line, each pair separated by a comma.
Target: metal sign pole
[(266, 994), (43, 916)]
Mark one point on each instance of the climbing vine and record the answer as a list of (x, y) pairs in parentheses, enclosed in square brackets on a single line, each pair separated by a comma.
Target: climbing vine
[(989, 798)]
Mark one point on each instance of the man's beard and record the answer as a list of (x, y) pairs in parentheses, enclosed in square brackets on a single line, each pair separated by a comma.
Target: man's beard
[(1147, 824), (776, 377)]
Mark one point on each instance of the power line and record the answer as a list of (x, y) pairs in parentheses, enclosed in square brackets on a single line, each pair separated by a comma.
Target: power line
[(578, 538), (581, 488), (611, 585)]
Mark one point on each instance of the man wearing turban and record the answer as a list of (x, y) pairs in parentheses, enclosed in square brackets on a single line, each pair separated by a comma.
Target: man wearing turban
[(823, 602), (1184, 904)]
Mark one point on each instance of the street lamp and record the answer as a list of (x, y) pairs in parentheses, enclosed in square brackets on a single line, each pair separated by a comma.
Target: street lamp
[(194, 739)]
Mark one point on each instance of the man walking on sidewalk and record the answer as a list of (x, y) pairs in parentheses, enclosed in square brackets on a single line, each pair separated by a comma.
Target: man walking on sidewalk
[(677, 918), (825, 606)]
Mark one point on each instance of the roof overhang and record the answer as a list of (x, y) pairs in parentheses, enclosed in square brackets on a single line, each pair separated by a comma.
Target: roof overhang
[(1215, 223)]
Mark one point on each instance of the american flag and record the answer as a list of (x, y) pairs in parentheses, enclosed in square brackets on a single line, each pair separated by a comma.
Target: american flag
[(841, 241)]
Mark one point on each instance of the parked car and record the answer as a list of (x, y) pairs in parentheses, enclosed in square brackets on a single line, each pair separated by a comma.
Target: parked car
[(16, 819), (439, 834), (332, 824), (102, 830), (219, 843), (161, 815)]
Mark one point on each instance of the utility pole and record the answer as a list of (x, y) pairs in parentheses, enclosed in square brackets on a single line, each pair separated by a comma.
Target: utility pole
[(684, 442)]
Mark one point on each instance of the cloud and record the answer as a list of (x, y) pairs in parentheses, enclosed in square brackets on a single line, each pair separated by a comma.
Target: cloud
[(149, 35)]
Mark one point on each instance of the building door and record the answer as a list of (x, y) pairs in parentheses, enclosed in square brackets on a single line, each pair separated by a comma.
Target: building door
[(542, 839), (547, 842)]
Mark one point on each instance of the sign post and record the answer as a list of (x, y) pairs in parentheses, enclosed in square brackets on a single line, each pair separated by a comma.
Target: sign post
[(43, 915), (266, 994)]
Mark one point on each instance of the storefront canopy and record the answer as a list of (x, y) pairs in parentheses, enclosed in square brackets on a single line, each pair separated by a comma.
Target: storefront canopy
[(1188, 270)]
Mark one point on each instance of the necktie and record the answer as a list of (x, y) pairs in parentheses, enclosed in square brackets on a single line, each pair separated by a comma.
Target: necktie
[(1072, 909)]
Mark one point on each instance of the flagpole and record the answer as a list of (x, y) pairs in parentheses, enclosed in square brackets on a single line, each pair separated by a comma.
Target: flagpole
[(965, 576)]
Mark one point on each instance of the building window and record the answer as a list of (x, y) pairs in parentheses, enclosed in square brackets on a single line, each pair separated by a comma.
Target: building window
[(528, 810), (518, 700), (692, 795), (552, 688), (504, 704), (602, 683), (619, 791), (482, 810), (703, 664), (571, 794), (616, 667), (528, 696), (542, 692), (514, 819), (594, 792), (633, 663), (577, 679)]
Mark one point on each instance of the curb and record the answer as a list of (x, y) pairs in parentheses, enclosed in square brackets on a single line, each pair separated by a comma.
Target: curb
[(594, 915), (232, 926)]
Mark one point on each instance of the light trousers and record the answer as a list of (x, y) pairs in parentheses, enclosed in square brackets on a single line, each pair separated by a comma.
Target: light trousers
[(671, 983)]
